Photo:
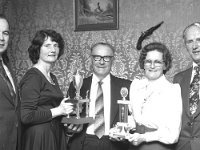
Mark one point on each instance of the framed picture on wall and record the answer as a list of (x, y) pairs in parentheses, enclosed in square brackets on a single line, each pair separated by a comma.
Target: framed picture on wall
[(91, 15)]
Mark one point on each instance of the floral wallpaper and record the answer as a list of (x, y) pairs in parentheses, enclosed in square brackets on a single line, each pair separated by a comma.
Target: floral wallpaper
[(135, 16)]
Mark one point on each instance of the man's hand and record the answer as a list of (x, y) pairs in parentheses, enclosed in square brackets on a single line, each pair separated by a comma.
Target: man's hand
[(74, 128)]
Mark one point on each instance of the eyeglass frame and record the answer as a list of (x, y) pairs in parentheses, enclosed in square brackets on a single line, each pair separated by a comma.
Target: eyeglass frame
[(157, 63), (99, 58)]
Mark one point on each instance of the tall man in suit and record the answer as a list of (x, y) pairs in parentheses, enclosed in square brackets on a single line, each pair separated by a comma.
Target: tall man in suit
[(102, 55), (9, 118), (190, 133)]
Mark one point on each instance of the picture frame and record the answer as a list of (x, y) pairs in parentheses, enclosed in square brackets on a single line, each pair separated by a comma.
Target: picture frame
[(93, 15)]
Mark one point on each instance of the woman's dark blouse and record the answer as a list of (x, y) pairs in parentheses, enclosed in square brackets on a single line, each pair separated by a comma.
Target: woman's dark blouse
[(38, 96)]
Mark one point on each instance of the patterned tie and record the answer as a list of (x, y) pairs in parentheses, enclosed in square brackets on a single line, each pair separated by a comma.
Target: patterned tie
[(99, 125), (194, 91), (6, 79)]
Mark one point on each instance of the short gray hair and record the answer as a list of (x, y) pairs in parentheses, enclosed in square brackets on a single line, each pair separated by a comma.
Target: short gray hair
[(197, 24)]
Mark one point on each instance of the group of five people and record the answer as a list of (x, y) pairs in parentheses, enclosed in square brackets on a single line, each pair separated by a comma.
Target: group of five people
[(166, 115)]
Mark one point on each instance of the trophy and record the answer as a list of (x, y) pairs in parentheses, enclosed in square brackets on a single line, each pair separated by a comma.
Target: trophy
[(121, 129), (78, 101)]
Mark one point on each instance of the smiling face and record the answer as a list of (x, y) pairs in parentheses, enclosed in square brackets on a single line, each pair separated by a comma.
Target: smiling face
[(4, 35), (192, 42), (49, 51), (101, 67), (154, 65)]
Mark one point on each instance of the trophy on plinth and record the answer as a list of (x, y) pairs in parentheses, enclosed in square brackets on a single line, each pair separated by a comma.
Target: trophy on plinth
[(79, 101), (121, 129)]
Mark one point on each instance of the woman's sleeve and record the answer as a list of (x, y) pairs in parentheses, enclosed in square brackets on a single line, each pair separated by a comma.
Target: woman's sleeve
[(169, 130), (30, 89)]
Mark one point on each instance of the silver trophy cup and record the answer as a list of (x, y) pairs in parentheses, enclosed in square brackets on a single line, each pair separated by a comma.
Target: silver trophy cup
[(79, 101)]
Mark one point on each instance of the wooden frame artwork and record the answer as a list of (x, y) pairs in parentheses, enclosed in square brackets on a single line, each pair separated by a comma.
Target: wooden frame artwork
[(96, 15)]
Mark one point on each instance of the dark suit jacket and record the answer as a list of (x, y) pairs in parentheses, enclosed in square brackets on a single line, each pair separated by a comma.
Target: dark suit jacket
[(9, 118), (190, 133), (116, 84)]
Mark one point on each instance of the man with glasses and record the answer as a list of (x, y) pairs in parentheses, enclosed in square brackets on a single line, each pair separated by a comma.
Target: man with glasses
[(102, 55), (189, 81)]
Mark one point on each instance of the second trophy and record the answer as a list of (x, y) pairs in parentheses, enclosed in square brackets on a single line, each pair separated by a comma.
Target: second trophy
[(79, 101), (122, 127)]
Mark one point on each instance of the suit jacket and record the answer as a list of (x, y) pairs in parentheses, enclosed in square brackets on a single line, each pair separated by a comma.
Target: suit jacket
[(9, 118), (116, 84), (190, 133)]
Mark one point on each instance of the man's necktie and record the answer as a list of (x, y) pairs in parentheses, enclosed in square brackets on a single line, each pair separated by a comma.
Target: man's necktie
[(6, 79), (99, 125), (194, 91)]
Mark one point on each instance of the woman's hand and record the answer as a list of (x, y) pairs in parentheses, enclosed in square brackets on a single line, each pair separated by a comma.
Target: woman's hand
[(113, 136), (63, 109), (136, 138), (66, 107)]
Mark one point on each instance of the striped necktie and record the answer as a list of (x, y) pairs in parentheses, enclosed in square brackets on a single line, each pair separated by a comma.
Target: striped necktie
[(6, 79), (194, 91), (99, 125)]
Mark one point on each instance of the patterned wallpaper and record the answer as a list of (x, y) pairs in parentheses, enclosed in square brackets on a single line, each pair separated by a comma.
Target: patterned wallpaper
[(135, 16)]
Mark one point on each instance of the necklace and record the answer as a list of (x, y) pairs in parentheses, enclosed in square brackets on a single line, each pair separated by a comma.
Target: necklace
[(46, 75), (49, 78)]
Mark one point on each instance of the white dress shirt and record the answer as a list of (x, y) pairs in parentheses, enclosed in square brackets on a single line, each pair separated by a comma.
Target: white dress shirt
[(106, 95), (157, 105)]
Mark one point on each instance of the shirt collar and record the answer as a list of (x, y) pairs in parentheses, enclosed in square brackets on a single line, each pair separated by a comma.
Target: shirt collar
[(157, 83), (194, 65), (95, 79)]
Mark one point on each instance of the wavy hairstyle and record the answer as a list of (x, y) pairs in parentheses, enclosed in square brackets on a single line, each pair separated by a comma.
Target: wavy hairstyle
[(160, 47), (38, 40)]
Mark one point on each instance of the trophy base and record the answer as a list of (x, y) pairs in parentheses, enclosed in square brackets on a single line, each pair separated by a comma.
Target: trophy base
[(74, 120), (121, 130)]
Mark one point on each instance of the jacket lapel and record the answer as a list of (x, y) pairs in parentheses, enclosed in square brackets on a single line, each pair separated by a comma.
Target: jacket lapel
[(114, 97), (11, 99), (15, 100)]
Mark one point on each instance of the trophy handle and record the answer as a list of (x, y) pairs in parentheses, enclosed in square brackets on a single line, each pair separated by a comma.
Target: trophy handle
[(87, 104)]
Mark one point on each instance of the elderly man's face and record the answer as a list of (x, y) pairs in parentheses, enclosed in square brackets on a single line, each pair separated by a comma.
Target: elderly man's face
[(4, 35), (192, 42), (102, 57)]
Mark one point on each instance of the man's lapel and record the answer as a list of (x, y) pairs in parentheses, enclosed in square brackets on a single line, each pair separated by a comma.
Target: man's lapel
[(13, 100), (15, 84), (114, 97)]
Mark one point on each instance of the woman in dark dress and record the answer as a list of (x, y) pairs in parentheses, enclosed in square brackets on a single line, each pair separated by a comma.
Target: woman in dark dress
[(42, 102)]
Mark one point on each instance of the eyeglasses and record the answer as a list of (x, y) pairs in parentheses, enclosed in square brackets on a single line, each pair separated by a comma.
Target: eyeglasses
[(157, 63), (105, 58)]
